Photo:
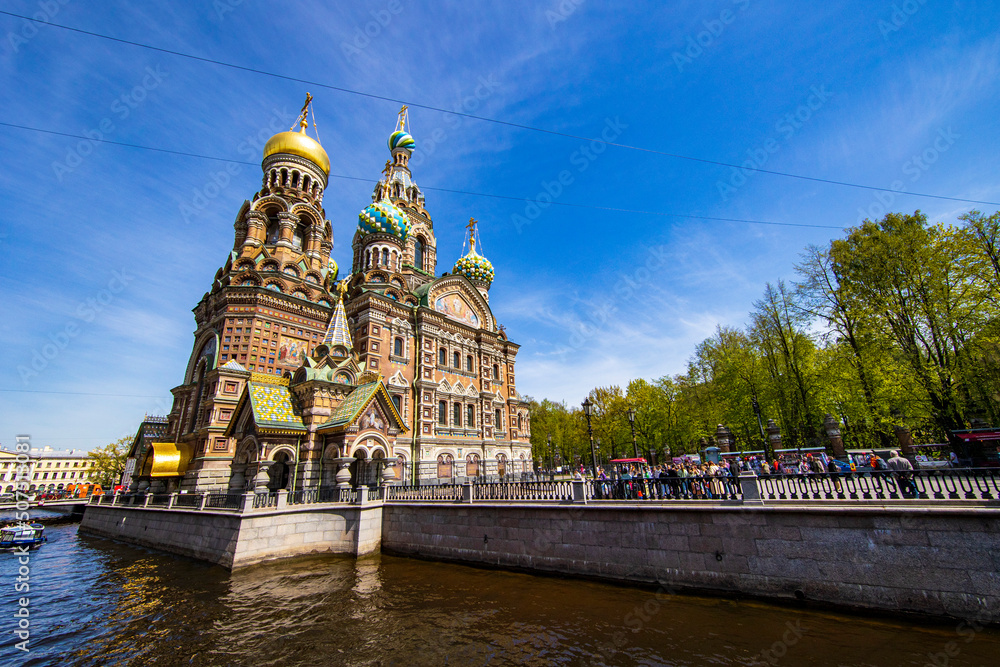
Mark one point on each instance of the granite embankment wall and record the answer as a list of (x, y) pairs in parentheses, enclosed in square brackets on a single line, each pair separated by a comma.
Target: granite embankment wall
[(236, 540), (940, 561)]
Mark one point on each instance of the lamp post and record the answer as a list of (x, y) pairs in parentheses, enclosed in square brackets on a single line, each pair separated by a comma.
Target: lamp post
[(760, 424), (552, 461), (588, 409), (631, 423)]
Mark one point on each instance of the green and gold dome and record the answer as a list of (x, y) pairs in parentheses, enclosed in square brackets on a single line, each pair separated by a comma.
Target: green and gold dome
[(474, 266), (384, 217)]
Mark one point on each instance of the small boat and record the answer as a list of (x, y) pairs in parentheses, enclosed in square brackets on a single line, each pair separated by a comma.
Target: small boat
[(28, 535)]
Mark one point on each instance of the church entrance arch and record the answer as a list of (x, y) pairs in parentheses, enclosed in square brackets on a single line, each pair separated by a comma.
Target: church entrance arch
[(280, 472)]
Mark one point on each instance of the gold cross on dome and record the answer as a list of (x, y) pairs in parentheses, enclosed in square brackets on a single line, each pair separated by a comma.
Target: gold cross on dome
[(305, 110), (472, 225), (402, 117)]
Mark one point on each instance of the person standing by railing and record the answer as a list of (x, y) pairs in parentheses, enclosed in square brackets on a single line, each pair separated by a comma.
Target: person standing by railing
[(903, 472)]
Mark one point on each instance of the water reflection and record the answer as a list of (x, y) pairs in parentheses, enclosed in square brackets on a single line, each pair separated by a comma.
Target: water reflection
[(95, 602)]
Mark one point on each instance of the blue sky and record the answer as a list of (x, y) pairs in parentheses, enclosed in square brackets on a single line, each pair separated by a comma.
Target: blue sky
[(105, 249)]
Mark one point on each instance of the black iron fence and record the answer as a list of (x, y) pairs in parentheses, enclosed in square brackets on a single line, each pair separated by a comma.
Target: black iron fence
[(982, 484)]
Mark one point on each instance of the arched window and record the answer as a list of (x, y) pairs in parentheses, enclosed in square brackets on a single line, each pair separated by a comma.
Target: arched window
[(470, 416), (273, 229), (299, 236), (468, 363), (442, 357), (385, 257), (397, 347), (499, 419), (496, 372), (456, 414), (442, 413), (456, 360), (418, 253), (397, 401)]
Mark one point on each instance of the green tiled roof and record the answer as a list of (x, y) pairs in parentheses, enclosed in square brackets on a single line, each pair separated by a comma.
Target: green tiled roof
[(273, 407)]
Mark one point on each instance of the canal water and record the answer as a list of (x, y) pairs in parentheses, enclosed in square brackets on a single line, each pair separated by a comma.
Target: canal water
[(97, 602)]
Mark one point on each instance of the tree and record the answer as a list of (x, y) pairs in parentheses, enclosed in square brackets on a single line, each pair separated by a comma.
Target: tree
[(109, 462)]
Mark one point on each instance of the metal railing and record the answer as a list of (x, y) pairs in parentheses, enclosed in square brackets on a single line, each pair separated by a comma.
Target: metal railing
[(226, 501), (670, 488), (523, 491), (187, 500), (979, 484), (264, 500), (437, 492)]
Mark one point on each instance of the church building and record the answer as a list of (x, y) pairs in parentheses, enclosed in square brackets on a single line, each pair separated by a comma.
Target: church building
[(297, 374)]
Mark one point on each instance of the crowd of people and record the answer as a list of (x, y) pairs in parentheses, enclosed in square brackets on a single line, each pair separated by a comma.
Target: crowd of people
[(690, 479)]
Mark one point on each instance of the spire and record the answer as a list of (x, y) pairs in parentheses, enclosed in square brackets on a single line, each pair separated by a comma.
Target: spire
[(338, 333)]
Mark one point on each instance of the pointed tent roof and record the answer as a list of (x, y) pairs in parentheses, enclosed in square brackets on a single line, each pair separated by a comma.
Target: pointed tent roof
[(338, 333)]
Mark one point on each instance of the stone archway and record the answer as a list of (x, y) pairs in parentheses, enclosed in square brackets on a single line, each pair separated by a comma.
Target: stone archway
[(280, 472)]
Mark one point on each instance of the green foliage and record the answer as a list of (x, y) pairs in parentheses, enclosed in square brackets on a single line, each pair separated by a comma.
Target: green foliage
[(109, 462), (896, 323)]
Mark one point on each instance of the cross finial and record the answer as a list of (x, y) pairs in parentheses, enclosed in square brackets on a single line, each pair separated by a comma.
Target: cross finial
[(342, 288), (402, 118), (303, 114), (387, 170), (472, 225)]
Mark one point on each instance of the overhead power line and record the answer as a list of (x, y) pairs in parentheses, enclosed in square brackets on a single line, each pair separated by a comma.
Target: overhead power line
[(460, 192), (385, 98), (76, 393)]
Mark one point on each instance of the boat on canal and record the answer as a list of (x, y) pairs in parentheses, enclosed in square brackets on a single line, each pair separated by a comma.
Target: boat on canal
[(29, 535)]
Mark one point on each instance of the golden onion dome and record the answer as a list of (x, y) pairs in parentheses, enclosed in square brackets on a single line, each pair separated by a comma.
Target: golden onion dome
[(298, 143)]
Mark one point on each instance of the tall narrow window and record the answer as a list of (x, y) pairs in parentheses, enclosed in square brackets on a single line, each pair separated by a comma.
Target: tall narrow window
[(470, 416), (468, 363), (418, 253), (385, 257), (499, 424), (456, 414), (397, 401), (442, 413), (442, 357), (299, 236), (273, 229), (496, 372), (397, 347), (456, 360)]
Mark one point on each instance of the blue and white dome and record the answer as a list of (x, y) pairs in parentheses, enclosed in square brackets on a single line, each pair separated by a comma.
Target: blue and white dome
[(384, 217)]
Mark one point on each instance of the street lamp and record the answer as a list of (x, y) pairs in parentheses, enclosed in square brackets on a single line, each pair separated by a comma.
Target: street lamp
[(552, 461), (631, 423), (588, 409), (760, 424)]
